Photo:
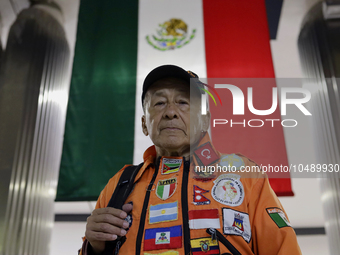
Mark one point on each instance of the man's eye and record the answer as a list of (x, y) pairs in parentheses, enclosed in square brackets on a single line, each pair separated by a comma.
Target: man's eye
[(183, 102), (159, 103)]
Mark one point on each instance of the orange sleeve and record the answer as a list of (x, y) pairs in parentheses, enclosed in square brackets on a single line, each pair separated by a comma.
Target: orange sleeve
[(272, 232), (102, 201)]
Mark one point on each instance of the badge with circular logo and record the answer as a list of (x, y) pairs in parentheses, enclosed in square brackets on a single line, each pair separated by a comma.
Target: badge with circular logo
[(228, 190), (231, 161)]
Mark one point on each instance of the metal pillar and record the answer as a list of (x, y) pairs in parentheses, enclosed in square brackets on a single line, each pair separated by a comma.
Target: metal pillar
[(33, 97), (319, 47)]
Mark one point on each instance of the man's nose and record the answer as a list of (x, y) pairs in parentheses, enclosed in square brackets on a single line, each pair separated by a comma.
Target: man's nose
[(171, 111)]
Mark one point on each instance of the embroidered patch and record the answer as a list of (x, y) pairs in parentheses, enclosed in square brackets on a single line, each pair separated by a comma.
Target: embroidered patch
[(163, 253), (163, 212), (205, 155), (199, 199), (163, 238), (203, 179), (228, 190), (236, 223), (170, 165), (231, 160), (279, 217), (199, 219), (166, 188), (206, 245), (204, 173)]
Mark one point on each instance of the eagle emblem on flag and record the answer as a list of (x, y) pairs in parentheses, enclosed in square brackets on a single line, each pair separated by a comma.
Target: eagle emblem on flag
[(205, 246), (171, 34)]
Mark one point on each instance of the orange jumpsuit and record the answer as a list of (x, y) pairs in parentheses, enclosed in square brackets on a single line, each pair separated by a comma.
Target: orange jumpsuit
[(172, 217)]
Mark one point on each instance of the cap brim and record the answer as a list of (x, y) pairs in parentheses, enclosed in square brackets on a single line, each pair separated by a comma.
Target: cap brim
[(165, 71)]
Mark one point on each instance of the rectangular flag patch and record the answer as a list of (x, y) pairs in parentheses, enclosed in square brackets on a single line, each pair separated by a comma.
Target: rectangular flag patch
[(170, 165), (163, 253), (199, 219), (163, 238), (205, 155), (279, 217), (166, 188), (236, 223), (204, 246), (163, 212)]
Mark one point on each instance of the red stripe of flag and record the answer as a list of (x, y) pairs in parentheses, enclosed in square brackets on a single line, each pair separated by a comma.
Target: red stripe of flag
[(211, 252), (172, 188), (203, 214), (175, 242), (237, 45)]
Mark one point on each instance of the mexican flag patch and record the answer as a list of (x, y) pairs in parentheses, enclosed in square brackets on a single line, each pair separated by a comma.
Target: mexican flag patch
[(279, 217)]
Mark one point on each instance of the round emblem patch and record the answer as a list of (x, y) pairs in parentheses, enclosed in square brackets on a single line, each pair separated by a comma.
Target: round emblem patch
[(232, 160), (228, 190)]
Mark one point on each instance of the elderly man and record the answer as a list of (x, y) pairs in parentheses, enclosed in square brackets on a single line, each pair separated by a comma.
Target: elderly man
[(175, 209)]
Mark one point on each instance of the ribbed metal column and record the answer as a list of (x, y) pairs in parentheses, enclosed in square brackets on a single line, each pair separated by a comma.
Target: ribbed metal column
[(1, 48), (319, 47), (33, 98)]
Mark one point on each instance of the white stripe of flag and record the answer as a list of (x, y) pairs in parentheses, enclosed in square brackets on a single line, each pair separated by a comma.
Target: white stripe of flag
[(190, 57), (199, 219), (161, 212)]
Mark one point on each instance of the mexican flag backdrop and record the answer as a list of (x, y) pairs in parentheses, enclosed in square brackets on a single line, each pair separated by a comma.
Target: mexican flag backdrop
[(119, 43)]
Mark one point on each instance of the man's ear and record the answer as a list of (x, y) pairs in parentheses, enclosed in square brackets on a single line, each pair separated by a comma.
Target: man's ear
[(144, 128), (206, 121)]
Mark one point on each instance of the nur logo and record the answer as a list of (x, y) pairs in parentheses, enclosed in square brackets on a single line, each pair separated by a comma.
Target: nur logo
[(238, 99)]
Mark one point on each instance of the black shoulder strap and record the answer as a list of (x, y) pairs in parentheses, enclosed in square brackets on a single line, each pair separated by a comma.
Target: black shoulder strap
[(119, 196), (124, 186)]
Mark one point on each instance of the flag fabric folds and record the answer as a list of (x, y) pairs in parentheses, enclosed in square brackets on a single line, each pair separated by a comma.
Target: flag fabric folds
[(119, 43)]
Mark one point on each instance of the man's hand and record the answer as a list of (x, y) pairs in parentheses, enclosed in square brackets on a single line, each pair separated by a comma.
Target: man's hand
[(105, 224)]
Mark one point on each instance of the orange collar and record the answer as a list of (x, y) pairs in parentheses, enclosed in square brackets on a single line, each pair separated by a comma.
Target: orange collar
[(204, 145)]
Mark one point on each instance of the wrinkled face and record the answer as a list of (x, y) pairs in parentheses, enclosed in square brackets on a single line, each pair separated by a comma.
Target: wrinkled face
[(169, 114)]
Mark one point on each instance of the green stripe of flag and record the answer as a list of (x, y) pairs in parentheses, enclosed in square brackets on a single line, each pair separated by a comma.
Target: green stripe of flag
[(99, 131), (160, 190), (173, 165), (278, 220)]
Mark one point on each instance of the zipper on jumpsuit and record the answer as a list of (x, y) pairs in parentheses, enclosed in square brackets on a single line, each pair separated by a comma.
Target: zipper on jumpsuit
[(144, 209), (185, 216)]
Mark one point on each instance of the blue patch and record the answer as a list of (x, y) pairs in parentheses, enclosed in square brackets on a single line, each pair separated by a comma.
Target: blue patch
[(163, 212)]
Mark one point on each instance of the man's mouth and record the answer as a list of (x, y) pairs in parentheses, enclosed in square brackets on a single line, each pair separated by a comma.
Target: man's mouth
[(171, 128)]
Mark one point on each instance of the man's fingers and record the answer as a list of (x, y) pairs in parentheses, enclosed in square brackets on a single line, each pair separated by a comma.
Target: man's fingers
[(107, 228), (100, 236), (109, 210), (109, 218), (127, 208)]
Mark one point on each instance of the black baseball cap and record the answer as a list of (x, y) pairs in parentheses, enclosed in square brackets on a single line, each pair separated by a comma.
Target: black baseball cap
[(169, 71)]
